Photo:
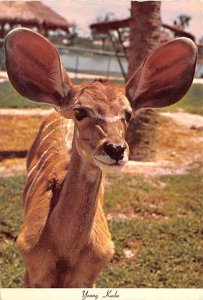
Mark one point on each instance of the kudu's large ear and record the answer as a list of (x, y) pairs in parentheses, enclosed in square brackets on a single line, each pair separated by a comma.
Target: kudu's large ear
[(165, 75), (34, 67)]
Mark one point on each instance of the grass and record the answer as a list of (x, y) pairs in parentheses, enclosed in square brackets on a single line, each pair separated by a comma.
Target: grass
[(9, 98), (165, 236), (192, 102), (11, 218), (161, 229)]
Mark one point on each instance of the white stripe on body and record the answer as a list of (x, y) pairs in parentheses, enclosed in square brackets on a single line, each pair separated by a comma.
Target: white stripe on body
[(29, 173), (69, 135), (36, 178), (49, 124), (68, 143), (48, 134)]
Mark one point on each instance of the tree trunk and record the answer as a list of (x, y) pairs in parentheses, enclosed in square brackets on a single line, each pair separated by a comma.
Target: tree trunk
[(144, 36)]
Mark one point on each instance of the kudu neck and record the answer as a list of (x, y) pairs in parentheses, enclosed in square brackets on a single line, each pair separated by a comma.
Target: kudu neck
[(75, 211), (82, 168)]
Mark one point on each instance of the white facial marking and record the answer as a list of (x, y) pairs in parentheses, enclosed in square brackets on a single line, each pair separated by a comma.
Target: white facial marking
[(109, 161), (101, 130), (107, 119), (107, 167)]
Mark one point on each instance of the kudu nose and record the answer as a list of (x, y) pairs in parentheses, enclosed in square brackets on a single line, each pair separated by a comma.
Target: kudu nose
[(115, 151)]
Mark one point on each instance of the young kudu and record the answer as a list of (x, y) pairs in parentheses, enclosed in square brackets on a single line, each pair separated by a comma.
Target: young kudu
[(64, 240)]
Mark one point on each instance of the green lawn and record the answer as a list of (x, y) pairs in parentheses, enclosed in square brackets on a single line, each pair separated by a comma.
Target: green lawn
[(9, 98), (162, 231), (192, 102)]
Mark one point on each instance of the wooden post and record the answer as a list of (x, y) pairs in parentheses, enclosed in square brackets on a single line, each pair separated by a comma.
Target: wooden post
[(144, 36), (145, 29)]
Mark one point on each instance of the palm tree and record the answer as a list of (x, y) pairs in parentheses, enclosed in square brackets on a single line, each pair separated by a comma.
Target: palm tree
[(144, 36), (182, 20)]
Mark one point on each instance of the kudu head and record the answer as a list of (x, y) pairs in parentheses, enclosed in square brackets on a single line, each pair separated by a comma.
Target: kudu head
[(101, 110)]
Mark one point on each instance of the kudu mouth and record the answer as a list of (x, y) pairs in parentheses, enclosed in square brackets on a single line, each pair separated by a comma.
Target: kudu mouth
[(111, 154)]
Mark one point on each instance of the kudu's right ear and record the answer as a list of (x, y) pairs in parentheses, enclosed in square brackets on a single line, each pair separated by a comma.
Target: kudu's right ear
[(165, 75), (34, 67)]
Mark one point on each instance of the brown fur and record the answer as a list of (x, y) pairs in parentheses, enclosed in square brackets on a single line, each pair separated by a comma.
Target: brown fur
[(63, 267), (53, 203)]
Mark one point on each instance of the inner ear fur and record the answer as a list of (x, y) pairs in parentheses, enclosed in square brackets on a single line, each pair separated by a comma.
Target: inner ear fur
[(34, 67), (165, 75)]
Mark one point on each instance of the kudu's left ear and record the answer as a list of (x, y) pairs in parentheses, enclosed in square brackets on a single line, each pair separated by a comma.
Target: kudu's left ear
[(34, 67), (165, 75)]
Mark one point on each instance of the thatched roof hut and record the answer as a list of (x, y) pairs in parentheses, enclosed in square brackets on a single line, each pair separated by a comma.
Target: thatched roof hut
[(30, 14)]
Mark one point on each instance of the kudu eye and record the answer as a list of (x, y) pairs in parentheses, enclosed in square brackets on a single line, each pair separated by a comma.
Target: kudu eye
[(127, 116), (80, 113)]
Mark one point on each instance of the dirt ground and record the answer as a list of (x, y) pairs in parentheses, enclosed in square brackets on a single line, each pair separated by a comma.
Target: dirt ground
[(179, 143), (179, 146)]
